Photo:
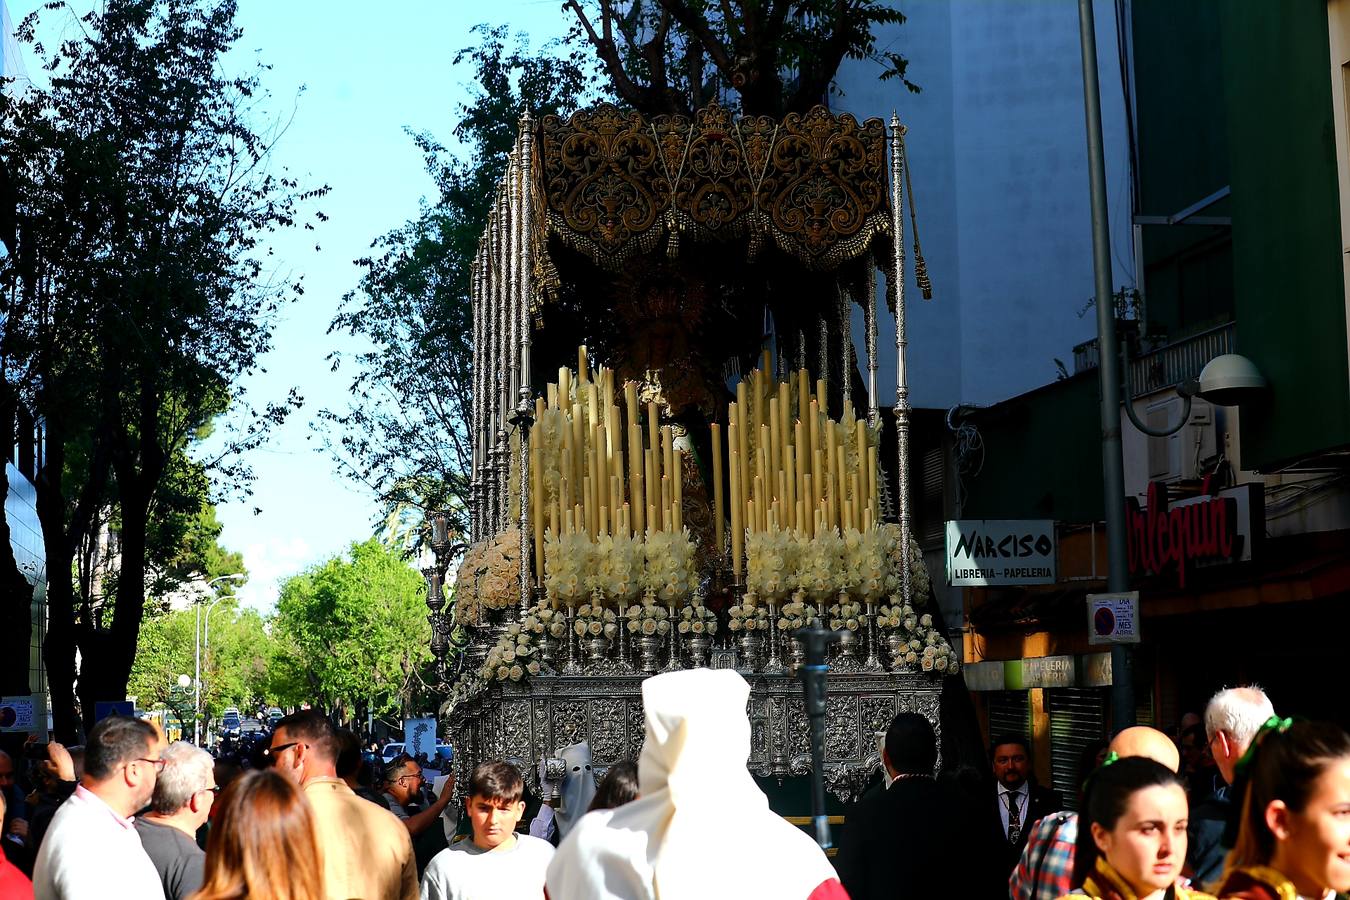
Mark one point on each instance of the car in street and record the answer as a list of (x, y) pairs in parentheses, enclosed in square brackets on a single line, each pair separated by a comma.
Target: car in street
[(230, 722), (250, 726), (391, 752), (274, 715)]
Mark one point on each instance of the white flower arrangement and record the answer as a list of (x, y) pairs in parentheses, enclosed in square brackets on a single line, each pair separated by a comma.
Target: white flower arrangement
[(926, 648), (620, 560), (845, 614), (921, 588), (593, 620), (499, 571), (465, 688), (669, 573), (867, 564), (770, 560), (648, 618), (797, 613), (748, 616), (819, 565), (568, 564), (697, 619)]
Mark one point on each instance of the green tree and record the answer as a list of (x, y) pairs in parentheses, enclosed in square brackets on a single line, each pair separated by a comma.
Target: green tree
[(405, 434), (777, 56), (139, 193), (235, 660), (352, 636)]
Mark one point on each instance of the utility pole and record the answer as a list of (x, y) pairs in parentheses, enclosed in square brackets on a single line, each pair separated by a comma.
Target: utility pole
[(1109, 369)]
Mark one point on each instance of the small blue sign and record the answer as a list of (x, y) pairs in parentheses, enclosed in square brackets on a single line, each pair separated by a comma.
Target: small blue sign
[(105, 708)]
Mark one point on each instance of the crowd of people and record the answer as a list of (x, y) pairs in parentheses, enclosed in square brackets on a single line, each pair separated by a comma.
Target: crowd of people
[(1239, 804)]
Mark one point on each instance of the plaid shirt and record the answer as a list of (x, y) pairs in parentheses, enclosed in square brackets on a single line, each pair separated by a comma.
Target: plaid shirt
[(1046, 868)]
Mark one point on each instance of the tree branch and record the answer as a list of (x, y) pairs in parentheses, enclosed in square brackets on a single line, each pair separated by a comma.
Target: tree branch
[(608, 52), (697, 26)]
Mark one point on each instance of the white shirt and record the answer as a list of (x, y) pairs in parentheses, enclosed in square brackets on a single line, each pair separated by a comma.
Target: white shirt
[(1022, 797), (91, 851), (465, 871)]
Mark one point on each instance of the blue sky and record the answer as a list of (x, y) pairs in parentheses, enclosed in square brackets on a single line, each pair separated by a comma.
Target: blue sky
[(368, 70)]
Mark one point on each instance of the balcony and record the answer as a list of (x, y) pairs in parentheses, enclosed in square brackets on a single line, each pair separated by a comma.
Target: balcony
[(1166, 366)]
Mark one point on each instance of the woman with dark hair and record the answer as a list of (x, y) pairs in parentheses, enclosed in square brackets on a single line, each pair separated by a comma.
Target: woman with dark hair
[(619, 786), (262, 844), (1132, 833), (1294, 835)]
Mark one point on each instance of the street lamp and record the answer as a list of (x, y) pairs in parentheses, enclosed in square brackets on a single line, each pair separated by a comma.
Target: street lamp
[(197, 665), (1225, 381)]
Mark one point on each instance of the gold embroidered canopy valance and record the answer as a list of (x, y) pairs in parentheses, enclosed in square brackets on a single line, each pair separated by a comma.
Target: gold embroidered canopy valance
[(615, 185)]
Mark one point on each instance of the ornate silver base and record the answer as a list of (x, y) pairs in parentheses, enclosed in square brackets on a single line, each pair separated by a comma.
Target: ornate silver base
[(530, 720)]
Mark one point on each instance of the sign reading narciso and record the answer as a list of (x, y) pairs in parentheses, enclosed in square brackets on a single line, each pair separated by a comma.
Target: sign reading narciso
[(983, 552)]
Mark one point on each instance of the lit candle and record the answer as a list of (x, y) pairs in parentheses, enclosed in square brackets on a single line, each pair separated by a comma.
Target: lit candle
[(784, 416), (857, 501), (665, 503), (843, 481), (790, 490), (872, 487), (564, 387), (832, 486), (583, 371), (587, 518), (717, 485)]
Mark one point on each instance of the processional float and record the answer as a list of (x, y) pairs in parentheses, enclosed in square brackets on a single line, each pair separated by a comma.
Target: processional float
[(676, 460)]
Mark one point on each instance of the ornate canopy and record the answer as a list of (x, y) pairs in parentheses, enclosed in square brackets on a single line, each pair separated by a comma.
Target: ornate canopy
[(615, 185)]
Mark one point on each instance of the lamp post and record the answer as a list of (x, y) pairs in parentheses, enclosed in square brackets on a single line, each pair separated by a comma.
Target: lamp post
[(197, 653)]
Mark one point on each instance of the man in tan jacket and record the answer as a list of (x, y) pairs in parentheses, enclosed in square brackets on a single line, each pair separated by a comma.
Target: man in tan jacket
[(366, 850)]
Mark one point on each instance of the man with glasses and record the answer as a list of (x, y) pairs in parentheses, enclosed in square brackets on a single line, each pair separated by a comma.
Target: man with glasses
[(92, 848), (366, 851), (404, 783), (1232, 719), (184, 794)]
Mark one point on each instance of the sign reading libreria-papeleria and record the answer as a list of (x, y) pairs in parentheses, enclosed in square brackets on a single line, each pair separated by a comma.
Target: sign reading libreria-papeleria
[(1000, 552)]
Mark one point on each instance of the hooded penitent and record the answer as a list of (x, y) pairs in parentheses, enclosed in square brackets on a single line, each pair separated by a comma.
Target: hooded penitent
[(701, 827), (578, 787)]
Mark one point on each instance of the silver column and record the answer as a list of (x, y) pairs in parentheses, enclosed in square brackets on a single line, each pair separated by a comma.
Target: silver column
[(901, 376), (870, 318), (524, 287), (476, 484)]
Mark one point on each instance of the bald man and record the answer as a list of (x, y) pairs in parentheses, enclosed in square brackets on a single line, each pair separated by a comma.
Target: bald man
[(1045, 871)]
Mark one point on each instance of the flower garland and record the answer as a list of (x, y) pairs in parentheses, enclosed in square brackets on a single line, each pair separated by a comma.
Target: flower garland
[(466, 687)]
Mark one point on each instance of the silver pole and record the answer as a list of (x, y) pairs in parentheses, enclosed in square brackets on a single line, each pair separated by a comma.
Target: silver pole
[(197, 679), (1108, 369), (845, 309), (475, 492), (901, 343), (500, 265), (870, 314), (524, 287)]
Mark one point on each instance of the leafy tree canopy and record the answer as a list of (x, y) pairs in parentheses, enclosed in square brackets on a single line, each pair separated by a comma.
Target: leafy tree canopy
[(353, 637)]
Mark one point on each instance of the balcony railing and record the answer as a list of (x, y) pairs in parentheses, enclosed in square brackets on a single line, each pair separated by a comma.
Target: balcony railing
[(1167, 366)]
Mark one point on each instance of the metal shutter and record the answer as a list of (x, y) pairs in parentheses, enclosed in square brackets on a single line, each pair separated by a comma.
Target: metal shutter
[(1077, 719), (1009, 713)]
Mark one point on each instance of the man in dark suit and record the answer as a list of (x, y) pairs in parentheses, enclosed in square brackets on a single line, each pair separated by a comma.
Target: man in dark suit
[(904, 841), (1018, 802)]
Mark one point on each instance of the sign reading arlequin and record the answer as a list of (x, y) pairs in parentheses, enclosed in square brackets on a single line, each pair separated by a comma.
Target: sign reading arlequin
[(984, 552)]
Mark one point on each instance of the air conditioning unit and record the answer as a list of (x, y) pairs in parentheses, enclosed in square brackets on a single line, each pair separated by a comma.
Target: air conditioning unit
[(1180, 456)]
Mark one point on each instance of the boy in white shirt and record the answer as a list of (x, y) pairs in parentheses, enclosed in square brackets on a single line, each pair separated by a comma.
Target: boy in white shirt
[(497, 863)]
